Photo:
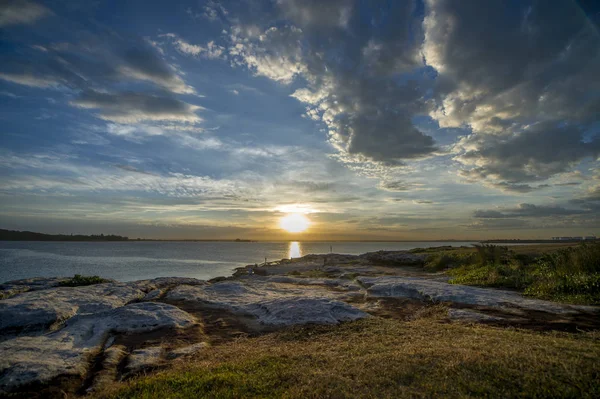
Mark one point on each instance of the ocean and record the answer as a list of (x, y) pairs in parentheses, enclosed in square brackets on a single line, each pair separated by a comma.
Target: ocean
[(128, 261)]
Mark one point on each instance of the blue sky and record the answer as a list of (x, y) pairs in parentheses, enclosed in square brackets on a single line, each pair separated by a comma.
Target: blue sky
[(376, 119)]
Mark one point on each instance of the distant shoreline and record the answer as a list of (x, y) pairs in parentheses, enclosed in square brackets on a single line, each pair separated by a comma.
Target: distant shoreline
[(14, 235)]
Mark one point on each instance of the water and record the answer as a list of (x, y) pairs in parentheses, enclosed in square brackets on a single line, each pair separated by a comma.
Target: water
[(128, 261)]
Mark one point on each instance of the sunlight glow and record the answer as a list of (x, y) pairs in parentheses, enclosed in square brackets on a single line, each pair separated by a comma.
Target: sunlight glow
[(294, 250), (294, 223)]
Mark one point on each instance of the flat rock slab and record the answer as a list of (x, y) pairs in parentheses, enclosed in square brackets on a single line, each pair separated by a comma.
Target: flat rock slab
[(271, 303), (44, 307), (39, 359), (438, 291)]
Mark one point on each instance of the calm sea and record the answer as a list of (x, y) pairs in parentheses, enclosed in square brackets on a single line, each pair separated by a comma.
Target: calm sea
[(127, 261)]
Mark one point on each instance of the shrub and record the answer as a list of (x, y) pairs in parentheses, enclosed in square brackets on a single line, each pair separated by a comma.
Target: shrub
[(444, 260), (78, 280), (567, 275)]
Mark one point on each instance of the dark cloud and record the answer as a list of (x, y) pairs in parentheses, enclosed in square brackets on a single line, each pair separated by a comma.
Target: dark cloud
[(523, 77), (537, 153), (527, 210), (357, 62), (95, 71), (130, 107)]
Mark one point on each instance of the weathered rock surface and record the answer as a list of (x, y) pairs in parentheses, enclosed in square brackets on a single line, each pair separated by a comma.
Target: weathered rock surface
[(270, 303), (25, 360), (187, 350), (437, 291), (395, 258), (44, 307), (141, 359)]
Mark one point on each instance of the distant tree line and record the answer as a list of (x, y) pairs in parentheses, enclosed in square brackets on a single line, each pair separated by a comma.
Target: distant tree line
[(12, 235)]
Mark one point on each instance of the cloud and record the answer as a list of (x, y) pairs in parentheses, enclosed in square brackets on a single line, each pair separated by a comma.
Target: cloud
[(536, 153), (31, 80), (522, 78), (143, 64), (364, 85), (400, 185), (17, 12), (316, 12), (210, 51), (527, 210), (92, 63), (130, 107)]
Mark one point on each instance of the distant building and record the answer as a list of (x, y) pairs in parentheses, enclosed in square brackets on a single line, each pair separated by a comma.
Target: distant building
[(574, 238)]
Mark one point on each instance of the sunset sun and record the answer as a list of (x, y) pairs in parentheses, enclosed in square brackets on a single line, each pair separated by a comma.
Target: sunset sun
[(294, 223)]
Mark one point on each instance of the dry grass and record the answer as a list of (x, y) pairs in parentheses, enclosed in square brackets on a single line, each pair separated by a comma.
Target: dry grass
[(378, 358)]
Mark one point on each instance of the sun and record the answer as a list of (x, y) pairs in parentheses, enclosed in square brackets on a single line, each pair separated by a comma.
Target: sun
[(294, 223)]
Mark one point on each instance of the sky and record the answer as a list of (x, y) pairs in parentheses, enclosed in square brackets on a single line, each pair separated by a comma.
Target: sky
[(376, 120)]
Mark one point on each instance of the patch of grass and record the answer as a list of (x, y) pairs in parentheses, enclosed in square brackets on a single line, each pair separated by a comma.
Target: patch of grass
[(568, 274), (446, 260), (78, 280), (381, 358)]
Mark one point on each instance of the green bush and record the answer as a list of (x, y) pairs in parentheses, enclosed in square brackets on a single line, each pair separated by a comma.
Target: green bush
[(571, 275), (445, 260), (567, 275), (78, 280)]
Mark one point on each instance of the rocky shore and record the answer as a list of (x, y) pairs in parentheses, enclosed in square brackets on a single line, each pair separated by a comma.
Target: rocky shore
[(75, 339)]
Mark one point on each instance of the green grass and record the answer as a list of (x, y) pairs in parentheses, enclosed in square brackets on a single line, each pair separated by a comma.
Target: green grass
[(384, 358), (78, 280), (568, 274)]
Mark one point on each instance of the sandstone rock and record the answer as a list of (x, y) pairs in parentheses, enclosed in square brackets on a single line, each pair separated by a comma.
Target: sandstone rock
[(438, 291), (394, 258), (270, 303), (39, 359), (141, 359), (46, 306), (187, 350)]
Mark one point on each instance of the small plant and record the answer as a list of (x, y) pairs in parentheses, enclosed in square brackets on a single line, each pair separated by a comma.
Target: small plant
[(78, 280)]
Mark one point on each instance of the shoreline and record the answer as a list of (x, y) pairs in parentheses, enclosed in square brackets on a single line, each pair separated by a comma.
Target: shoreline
[(85, 338)]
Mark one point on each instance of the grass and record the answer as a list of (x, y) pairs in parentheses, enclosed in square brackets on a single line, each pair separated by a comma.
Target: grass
[(379, 358), (567, 274), (78, 280)]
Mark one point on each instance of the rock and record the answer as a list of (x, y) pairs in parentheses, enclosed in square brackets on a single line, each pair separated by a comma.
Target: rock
[(39, 359), (154, 294), (187, 350), (438, 291), (271, 303), (325, 282), (394, 258), (142, 359), (45, 307)]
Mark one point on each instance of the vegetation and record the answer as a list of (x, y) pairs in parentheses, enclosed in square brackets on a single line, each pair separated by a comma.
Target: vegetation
[(12, 235), (568, 274), (78, 280), (379, 358)]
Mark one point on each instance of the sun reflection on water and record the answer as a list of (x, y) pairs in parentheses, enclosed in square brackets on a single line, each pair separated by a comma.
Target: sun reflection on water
[(294, 250)]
